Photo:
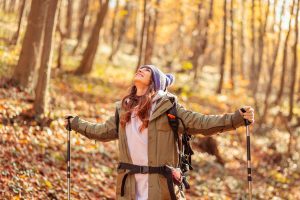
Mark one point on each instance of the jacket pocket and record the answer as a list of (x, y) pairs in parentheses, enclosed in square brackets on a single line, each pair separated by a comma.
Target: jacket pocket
[(162, 123)]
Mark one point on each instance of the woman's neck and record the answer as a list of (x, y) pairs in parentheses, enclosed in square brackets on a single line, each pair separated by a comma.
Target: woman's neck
[(140, 91)]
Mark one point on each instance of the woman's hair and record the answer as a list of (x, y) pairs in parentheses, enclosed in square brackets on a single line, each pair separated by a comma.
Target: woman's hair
[(141, 104)]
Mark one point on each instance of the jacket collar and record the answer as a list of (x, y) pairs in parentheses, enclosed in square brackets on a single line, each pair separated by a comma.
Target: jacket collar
[(163, 104)]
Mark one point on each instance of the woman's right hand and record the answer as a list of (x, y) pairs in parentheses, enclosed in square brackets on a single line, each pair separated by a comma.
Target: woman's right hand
[(67, 118)]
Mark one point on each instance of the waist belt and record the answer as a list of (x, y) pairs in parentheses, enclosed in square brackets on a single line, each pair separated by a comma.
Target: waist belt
[(137, 169)]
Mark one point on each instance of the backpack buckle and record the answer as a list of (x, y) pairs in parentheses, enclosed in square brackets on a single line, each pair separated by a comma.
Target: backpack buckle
[(144, 169)]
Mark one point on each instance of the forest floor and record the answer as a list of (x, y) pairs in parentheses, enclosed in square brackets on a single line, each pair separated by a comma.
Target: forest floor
[(33, 155)]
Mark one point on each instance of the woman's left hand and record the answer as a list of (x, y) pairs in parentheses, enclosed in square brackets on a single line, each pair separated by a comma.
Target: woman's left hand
[(249, 114)]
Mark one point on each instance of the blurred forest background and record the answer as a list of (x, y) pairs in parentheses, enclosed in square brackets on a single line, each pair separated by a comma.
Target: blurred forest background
[(79, 56)]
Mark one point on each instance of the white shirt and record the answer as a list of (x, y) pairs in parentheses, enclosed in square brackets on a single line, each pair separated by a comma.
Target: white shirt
[(138, 149)]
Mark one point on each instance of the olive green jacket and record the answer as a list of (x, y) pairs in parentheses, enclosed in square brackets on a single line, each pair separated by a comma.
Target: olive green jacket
[(161, 143)]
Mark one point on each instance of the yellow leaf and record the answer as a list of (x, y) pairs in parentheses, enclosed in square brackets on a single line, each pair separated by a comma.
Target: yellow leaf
[(22, 176), (48, 184), (16, 198), (186, 65), (123, 13), (23, 141), (279, 177)]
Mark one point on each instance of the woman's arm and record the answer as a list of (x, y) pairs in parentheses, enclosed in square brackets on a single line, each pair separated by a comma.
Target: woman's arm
[(209, 124), (103, 132)]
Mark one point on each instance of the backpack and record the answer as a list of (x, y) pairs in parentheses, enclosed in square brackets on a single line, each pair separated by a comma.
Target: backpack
[(183, 146)]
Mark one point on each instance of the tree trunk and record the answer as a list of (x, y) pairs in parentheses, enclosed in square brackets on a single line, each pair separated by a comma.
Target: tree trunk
[(295, 63), (31, 47), (41, 90), (12, 6), (4, 5), (113, 30), (15, 37), (196, 41), (262, 33), (205, 37), (148, 45), (151, 32), (272, 69), (84, 5), (252, 65), (60, 48), (135, 33), (285, 54), (201, 42), (243, 45), (142, 35), (223, 54), (122, 31), (62, 36), (69, 18), (232, 66), (91, 49)]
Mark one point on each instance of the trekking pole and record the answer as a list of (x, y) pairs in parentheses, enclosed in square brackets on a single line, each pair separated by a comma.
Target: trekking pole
[(69, 155), (247, 123)]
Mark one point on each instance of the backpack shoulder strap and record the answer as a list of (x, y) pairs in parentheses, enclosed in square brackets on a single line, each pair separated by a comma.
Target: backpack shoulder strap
[(183, 142), (172, 118), (174, 124)]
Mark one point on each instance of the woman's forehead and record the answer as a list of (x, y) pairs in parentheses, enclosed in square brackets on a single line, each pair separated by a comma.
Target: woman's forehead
[(145, 66)]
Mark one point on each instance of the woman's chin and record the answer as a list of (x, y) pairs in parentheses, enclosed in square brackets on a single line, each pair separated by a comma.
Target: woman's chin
[(138, 80)]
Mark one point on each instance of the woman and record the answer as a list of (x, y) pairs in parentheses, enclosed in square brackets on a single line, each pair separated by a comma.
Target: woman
[(145, 136)]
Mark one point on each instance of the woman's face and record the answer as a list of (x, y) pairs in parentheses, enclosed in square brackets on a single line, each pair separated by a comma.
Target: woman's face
[(143, 76)]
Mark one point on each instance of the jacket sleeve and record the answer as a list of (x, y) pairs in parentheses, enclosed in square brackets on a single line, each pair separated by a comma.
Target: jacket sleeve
[(104, 132), (207, 125)]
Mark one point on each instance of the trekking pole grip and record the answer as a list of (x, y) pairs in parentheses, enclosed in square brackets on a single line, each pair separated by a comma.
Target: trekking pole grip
[(69, 122), (247, 122)]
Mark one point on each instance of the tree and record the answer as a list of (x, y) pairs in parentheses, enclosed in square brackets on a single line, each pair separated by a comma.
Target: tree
[(202, 37), (122, 30), (223, 51), (272, 69), (83, 9), (91, 49), (142, 36), (62, 36), (31, 47), (252, 65), (15, 37), (242, 39), (151, 33), (133, 22), (41, 90), (261, 45), (69, 18), (285, 54), (113, 29), (232, 66), (295, 63)]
